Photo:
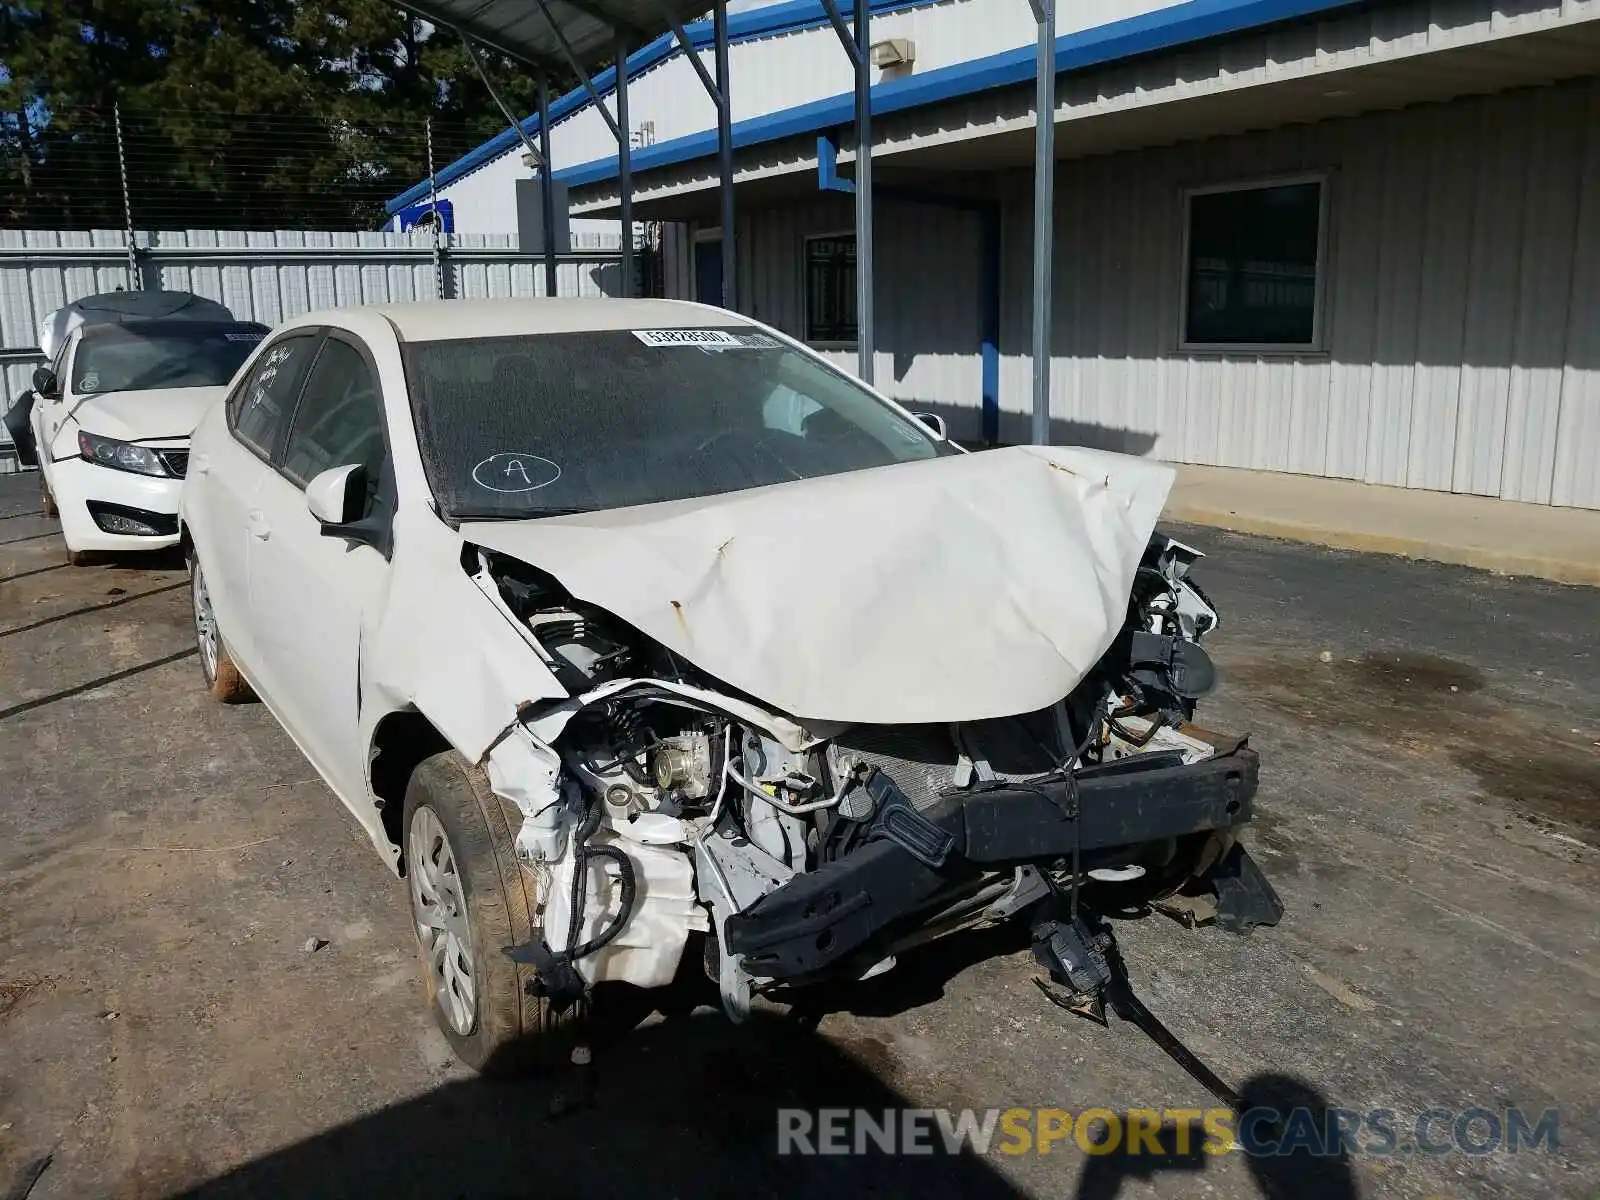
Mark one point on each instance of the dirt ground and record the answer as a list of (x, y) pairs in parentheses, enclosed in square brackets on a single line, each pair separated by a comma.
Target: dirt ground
[(1430, 814)]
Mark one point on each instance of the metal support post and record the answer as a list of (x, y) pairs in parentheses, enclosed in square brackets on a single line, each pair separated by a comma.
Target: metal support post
[(577, 68), (135, 278), (547, 183), (717, 89), (730, 261), (863, 65), (1044, 165), (488, 86), (858, 48), (439, 290), (625, 167)]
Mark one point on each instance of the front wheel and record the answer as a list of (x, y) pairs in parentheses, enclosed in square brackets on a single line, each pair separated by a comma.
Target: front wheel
[(469, 903), (48, 498), (222, 678)]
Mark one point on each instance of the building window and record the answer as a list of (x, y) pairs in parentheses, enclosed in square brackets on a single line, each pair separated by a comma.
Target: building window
[(1252, 263), (831, 289)]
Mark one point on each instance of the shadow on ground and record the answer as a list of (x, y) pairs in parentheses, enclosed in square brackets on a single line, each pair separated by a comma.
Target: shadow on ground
[(691, 1106), (1286, 1166), (685, 1107)]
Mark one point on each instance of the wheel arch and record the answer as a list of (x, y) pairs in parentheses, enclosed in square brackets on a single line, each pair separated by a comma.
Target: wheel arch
[(401, 741)]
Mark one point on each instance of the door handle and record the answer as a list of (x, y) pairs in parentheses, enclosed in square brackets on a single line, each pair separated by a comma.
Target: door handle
[(259, 529)]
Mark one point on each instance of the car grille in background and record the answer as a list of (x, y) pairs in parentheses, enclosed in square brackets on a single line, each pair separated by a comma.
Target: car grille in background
[(175, 461), (921, 759)]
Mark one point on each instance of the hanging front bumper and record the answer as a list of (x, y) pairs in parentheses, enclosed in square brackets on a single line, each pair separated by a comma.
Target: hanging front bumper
[(914, 862)]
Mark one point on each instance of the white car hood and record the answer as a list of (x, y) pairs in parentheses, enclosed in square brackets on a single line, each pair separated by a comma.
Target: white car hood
[(957, 589), (148, 415)]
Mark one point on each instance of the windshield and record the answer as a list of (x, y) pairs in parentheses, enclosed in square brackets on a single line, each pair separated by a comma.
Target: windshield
[(171, 354), (537, 425)]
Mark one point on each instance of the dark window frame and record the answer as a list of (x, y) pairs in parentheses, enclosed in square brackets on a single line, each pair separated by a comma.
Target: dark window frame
[(352, 342), (269, 455), (383, 493), (1317, 345), (810, 336)]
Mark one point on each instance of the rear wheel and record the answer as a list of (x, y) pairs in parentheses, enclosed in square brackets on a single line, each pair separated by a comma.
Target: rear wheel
[(222, 678), (469, 903)]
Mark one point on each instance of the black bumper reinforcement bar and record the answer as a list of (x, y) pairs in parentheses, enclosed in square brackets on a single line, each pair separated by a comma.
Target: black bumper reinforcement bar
[(911, 860)]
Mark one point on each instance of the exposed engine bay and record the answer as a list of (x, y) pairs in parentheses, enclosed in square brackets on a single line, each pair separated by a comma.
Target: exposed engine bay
[(659, 803)]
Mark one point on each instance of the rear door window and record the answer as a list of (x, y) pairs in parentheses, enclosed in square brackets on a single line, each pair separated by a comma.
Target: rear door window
[(259, 410)]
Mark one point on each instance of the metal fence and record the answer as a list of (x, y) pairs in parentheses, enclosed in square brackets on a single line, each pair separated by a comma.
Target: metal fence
[(269, 276)]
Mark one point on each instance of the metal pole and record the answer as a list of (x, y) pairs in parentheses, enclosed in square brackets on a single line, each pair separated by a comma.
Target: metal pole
[(863, 65), (577, 67), (547, 185), (625, 166), (719, 27), (488, 86), (433, 206), (135, 282), (1044, 170)]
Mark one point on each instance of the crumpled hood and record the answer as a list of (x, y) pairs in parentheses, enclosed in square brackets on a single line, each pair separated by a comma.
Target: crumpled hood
[(146, 415), (955, 589)]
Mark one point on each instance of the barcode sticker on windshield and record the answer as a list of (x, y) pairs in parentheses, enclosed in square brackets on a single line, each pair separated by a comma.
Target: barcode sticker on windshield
[(686, 337)]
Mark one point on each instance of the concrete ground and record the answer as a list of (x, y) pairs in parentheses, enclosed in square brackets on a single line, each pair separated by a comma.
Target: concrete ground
[(1562, 544), (1430, 814)]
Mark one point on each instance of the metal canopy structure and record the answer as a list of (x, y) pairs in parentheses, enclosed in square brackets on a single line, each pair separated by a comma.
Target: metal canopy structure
[(567, 37), (542, 35)]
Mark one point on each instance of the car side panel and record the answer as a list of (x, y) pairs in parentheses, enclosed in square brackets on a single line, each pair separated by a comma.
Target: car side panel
[(218, 493), (310, 596)]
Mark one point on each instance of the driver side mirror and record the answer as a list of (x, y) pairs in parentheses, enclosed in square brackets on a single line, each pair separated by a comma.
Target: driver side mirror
[(338, 499), (934, 422), (338, 496), (45, 383)]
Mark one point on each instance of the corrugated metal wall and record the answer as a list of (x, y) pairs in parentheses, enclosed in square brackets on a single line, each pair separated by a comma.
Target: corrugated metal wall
[(259, 281), (928, 339), (1461, 306), (1462, 302)]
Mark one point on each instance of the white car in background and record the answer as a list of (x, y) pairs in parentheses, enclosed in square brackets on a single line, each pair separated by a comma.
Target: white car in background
[(112, 413), (635, 633)]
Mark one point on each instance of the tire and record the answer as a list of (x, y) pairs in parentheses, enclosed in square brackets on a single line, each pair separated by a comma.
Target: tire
[(222, 678), (81, 558), (50, 509), (490, 1019)]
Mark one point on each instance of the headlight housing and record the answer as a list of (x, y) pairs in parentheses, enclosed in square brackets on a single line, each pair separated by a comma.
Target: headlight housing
[(121, 456)]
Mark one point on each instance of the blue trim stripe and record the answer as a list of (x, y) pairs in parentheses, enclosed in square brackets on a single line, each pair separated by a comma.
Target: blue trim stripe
[(774, 19), (1148, 33)]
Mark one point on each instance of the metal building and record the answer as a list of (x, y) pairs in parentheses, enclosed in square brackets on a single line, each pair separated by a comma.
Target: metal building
[(1343, 239)]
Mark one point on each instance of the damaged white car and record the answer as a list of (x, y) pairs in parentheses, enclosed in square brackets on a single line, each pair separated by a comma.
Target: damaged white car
[(638, 636)]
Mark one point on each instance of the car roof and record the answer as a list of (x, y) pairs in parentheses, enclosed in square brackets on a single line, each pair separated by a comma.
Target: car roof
[(450, 320), (119, 307), (143, 327)]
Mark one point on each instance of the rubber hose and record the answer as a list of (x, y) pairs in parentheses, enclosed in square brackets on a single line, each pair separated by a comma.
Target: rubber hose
[(580, 872), (628, 881)]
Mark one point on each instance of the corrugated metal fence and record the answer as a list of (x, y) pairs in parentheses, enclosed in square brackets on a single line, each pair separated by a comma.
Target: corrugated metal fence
[(268, 276)]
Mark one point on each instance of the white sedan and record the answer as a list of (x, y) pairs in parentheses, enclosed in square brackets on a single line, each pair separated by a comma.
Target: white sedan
[(627, 628), (111, 420)]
